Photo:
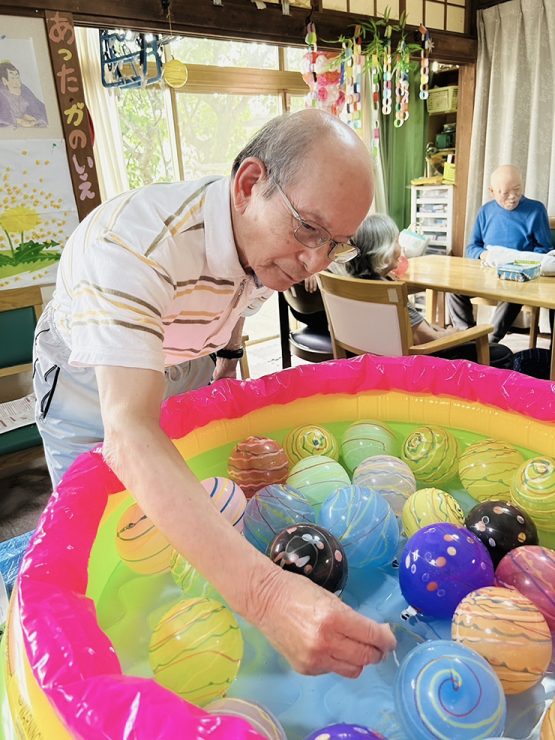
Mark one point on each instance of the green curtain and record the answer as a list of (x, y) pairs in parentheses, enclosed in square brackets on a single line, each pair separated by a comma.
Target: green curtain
[(404, 153)]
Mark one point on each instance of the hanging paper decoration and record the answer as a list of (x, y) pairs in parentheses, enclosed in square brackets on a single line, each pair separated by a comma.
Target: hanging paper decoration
[(387, 82), (426, 50), (320, 71)]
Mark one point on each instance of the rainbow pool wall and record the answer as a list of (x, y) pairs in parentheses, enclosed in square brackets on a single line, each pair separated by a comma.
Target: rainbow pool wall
[(61, 675)]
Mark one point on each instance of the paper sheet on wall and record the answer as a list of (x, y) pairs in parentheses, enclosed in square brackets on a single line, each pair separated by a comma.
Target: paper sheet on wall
[(17, 414)]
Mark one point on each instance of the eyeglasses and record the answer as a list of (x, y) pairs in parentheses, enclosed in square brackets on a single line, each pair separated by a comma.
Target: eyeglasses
[(313, 236)]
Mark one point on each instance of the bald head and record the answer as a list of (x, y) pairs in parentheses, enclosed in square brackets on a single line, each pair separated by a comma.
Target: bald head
[(506, 186), (291, 144)]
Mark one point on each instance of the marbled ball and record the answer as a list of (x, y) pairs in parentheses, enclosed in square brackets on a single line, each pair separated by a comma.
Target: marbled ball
[(343, 731), (310, 440), (531, 570), (533, 489), (228, 498), (429, 506), (260, 718), (317, 477), (548, 725), (509, 632), (140, 544), (446, 690), (256, 462), (364, 439), (390, 476), (311, 551), (432, 454), (190, 580), (501, 526), (196, 649), (272, 509), (440, 565), (364, 524), (487, 467)]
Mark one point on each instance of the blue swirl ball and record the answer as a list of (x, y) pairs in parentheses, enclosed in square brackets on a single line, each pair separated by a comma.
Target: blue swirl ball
[(364, 523), (272, 509), (444, 689)]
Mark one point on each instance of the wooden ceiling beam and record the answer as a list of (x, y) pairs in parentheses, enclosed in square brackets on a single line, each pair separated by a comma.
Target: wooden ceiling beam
[(238, 19)]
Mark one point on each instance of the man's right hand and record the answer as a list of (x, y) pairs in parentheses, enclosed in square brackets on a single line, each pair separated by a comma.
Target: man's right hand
[(314, 630)]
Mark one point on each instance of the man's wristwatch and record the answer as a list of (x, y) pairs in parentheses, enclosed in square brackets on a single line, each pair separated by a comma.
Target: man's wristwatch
[(230, 354)]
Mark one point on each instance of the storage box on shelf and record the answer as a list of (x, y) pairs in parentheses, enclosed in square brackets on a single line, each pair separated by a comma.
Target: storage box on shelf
[(443, 99), (432, 214)]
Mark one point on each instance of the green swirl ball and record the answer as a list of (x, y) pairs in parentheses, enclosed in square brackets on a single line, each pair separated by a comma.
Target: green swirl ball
[(432, 453), (365, 439), (317, 477), (430, 506), (533, 489), (309, 440), (487, 468)]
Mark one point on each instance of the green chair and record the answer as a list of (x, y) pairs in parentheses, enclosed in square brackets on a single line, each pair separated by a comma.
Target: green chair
[(19, 313)]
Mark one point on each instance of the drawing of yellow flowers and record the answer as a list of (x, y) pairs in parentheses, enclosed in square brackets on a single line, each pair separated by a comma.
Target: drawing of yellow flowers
[(19, 219)]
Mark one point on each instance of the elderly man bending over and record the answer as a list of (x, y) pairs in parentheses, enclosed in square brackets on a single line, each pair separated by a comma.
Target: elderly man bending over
[(509, 220), (160, 278)]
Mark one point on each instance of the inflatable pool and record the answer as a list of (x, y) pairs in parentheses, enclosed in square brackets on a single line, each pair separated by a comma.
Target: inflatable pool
[(74, 652)]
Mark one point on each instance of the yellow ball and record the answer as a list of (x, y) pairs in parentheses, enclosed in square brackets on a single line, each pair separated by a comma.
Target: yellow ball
[(533, 489), (429, 506), (140, 545), (432, 454), (196, 649), (175, 73), (486, 469), (310, 440), (509, 631)]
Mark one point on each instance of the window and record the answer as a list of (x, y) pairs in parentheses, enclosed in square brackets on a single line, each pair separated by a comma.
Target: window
[(233, 89)]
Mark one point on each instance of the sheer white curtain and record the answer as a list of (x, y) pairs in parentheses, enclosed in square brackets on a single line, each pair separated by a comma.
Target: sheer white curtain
[(108, 153), (514, 111)]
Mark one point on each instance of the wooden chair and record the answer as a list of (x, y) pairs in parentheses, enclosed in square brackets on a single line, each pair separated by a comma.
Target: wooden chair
[(19, 312), (372, 316)]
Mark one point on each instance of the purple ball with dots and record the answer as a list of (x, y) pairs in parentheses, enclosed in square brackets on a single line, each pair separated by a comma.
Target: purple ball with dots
[(440, 565), (343, 731)]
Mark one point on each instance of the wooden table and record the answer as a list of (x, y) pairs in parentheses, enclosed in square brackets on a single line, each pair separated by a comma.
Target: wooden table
[(438, 274)]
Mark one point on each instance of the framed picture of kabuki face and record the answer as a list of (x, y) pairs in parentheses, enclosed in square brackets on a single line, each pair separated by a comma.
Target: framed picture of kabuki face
[(28, 102)]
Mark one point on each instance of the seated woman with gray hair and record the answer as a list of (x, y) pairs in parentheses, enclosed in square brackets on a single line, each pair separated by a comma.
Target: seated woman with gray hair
[(378, 241)]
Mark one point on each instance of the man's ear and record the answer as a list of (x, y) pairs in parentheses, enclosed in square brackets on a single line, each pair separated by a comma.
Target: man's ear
[(490, 191), (248, 179)]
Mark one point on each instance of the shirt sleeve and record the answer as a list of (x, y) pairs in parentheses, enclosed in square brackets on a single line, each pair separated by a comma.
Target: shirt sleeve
[(476, 245), (542, 232), (118, 306)]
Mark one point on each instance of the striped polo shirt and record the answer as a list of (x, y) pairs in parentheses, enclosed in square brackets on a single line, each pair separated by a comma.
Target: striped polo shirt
[(152, 278)]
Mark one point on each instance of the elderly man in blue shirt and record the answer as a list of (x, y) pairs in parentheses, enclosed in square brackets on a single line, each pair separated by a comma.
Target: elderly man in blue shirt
[(509, 220)]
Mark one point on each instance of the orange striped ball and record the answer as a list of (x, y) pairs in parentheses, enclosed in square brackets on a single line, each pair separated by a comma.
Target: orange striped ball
[(506, 629), (140, 545), (256, 462)]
